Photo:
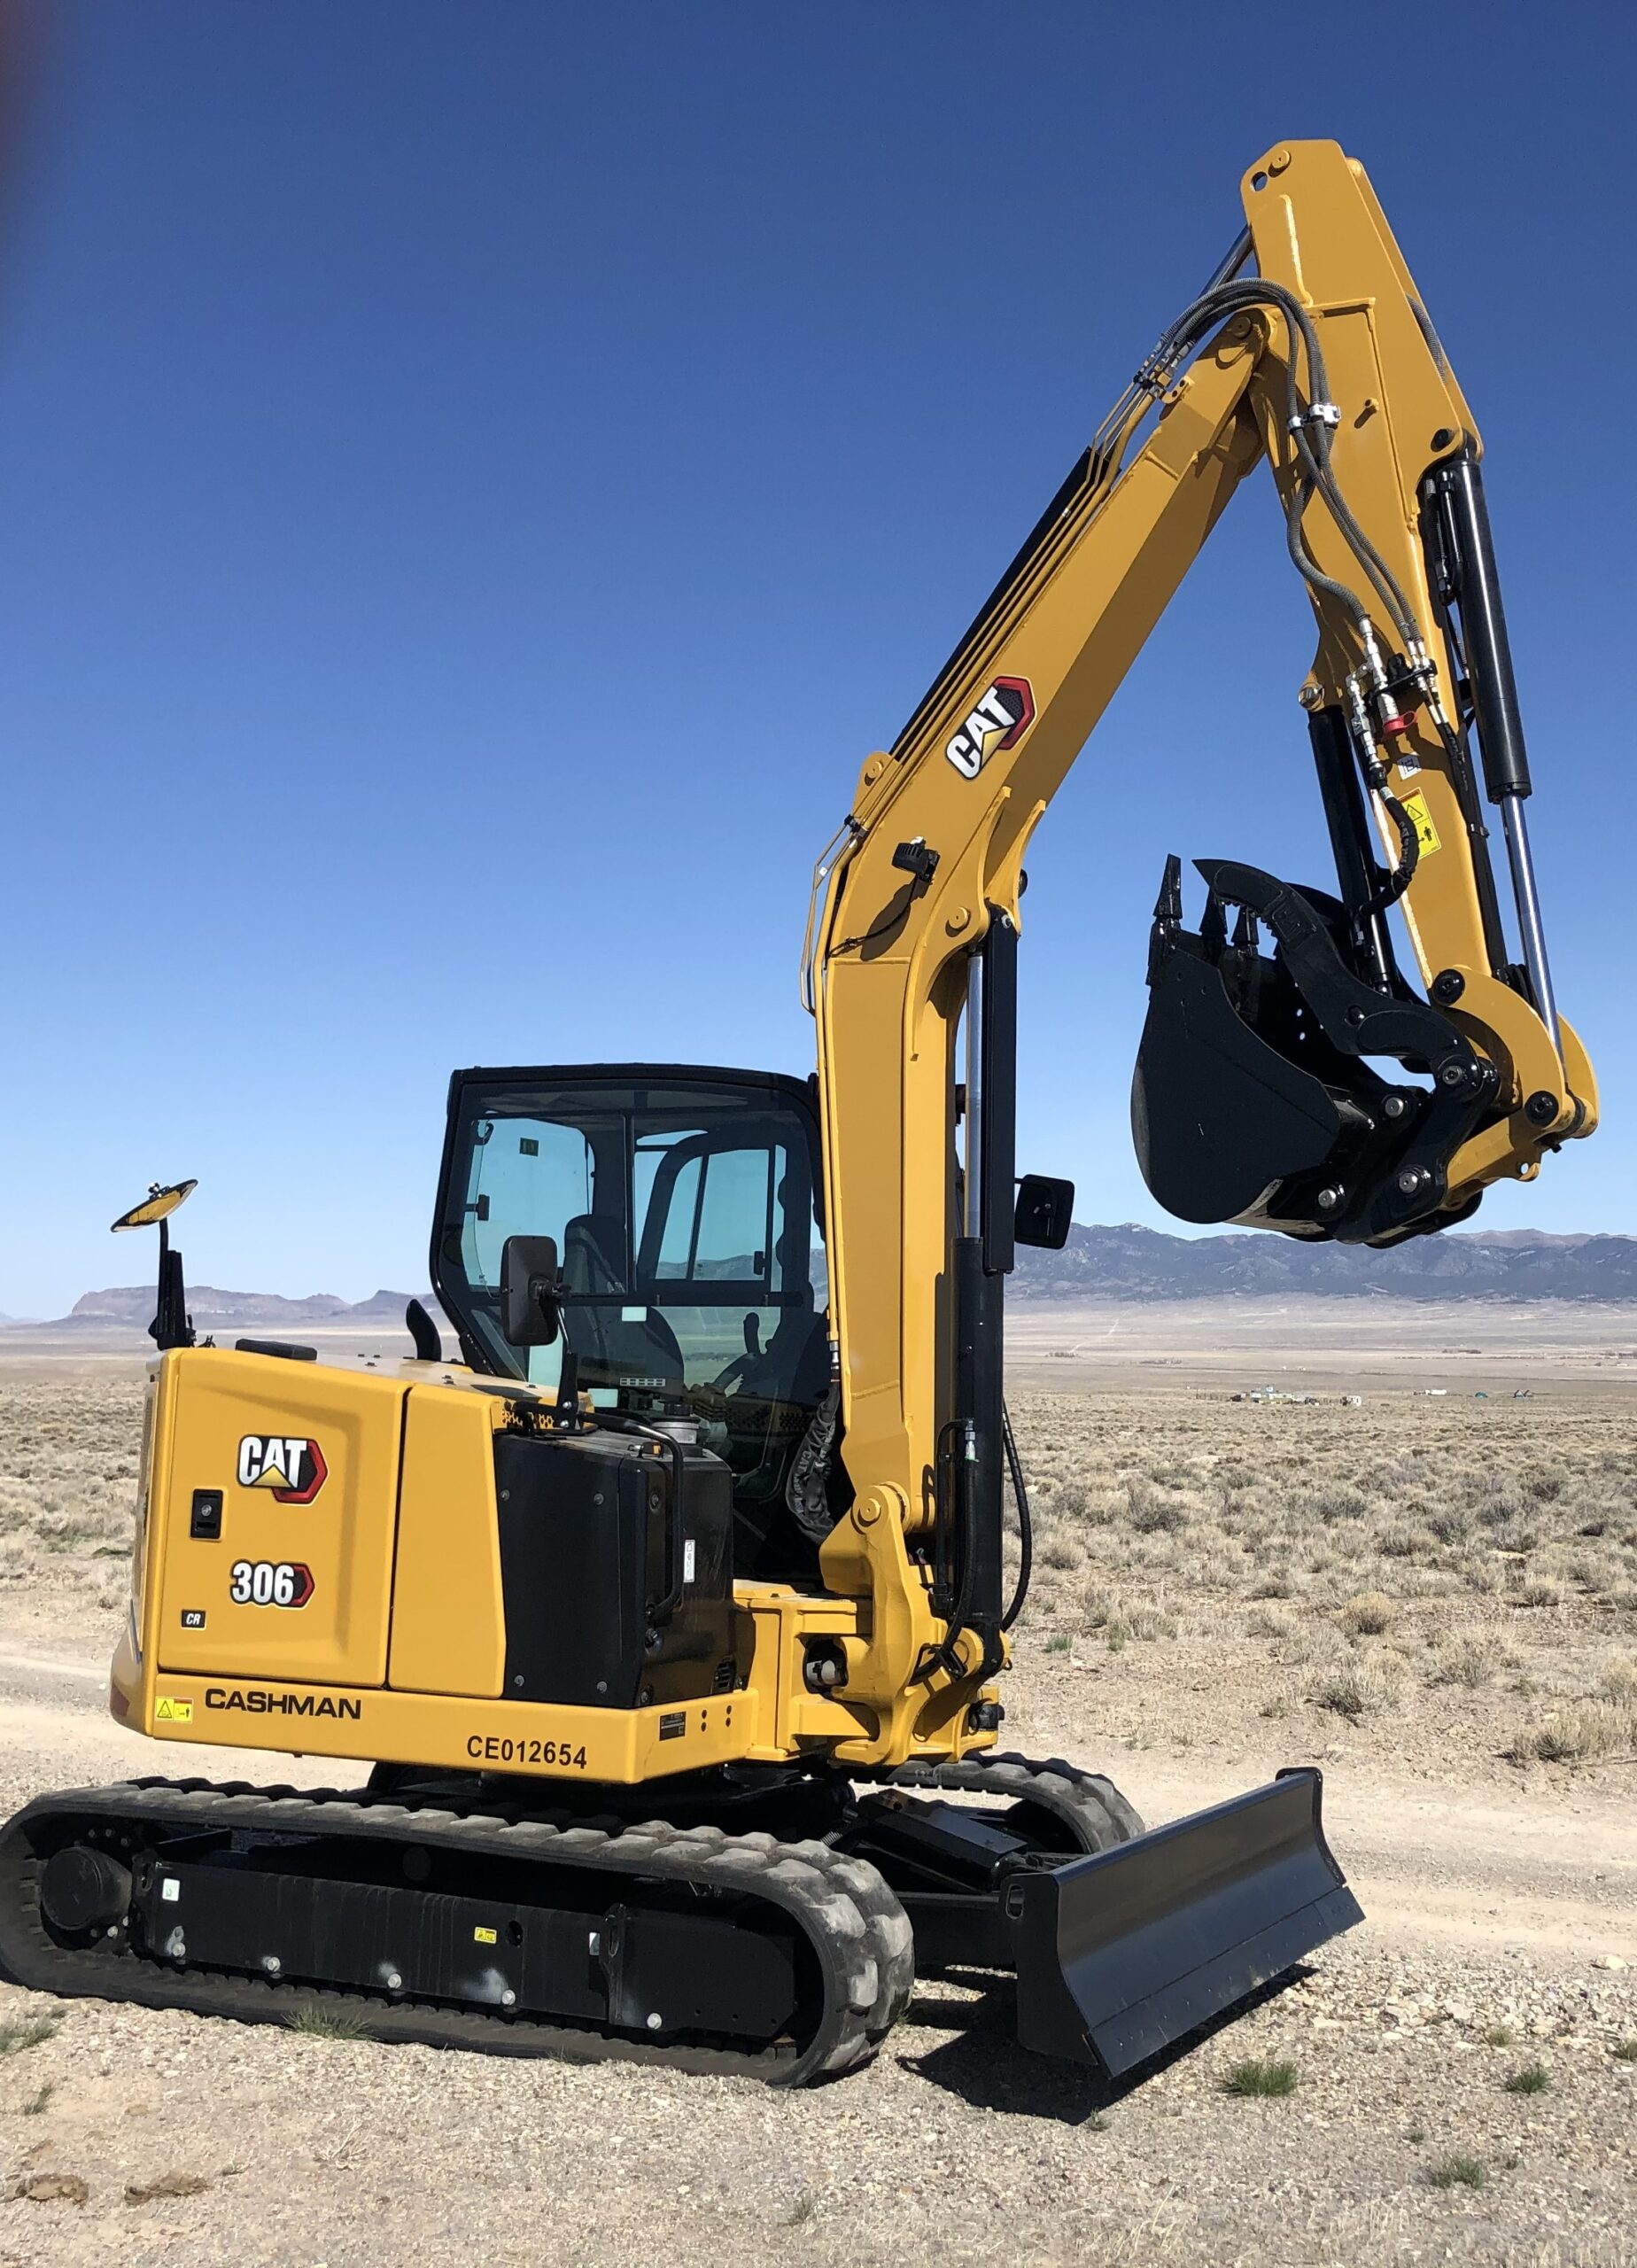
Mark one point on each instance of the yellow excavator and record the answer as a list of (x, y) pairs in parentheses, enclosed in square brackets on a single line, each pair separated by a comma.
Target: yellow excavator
[(672, 1613)]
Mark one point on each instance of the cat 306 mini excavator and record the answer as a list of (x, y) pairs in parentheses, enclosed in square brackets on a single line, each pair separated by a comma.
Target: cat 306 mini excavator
[(672, 1613)]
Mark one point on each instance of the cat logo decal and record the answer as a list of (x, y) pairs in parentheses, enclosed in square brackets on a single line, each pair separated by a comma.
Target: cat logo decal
[(291, 1465), (997, 719)]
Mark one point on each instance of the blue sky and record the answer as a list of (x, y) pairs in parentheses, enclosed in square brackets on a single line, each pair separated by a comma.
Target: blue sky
[(475, 480)]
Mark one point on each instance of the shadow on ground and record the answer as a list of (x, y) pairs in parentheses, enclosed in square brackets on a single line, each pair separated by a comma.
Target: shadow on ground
[(983, 2065)]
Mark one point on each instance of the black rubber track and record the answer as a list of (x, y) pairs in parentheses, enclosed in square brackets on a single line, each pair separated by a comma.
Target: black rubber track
[(858, 1933), (1090, 1809)]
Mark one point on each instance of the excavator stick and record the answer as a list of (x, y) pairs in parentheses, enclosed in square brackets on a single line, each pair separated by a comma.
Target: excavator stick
[(1121, 1953)]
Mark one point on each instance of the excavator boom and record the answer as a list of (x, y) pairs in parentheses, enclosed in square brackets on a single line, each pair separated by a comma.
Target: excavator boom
[(1257, 1096)]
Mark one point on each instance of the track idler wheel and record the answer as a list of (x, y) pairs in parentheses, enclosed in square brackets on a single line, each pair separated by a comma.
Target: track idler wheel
[(82, 1891)]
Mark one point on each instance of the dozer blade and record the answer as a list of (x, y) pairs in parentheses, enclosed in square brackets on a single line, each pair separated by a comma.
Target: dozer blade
[(1121, 1953)]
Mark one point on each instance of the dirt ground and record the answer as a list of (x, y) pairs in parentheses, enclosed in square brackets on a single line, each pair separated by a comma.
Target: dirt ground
[(1434, 1598)]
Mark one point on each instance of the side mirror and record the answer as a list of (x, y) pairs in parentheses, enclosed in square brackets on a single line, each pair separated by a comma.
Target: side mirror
[(530, 1312), (172, 1325), (1045, 1208)]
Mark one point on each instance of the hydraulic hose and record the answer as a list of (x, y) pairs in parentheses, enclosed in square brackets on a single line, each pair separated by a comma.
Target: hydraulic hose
[(1026, 1526), (1183, 339)]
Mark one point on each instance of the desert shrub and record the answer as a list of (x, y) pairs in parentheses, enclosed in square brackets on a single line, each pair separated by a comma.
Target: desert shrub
[(1578, 1733), (1367, 1614), (1338, 1503), (1141, 1622), (1355, 1689), (1465, 1663), (1402, 1541), (1151, 1513), (1268, 1622)]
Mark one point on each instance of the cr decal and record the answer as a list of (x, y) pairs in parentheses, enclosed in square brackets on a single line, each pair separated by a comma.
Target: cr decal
[(291, 1465), (268, 1582), (997, 719)]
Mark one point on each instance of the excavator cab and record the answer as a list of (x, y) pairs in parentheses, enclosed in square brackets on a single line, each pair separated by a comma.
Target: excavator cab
[(680, 1203)]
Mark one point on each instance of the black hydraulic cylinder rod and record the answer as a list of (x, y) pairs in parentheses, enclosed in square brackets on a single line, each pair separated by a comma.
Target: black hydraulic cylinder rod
[(1475, 585), (1472, 582), (1357, 876), (998, 1040), (979, 1443), (982, 1256)]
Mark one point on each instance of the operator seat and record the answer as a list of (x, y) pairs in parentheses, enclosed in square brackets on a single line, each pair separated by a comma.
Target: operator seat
[(612, 1350)]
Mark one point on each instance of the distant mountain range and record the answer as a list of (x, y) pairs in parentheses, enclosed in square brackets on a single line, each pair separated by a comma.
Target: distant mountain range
[(1135, 1263), (1126, 1262), (131, 1308)]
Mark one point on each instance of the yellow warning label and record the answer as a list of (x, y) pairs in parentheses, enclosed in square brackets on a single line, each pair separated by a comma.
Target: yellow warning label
[(485, 1936), (167, 1711), (1427, 833)]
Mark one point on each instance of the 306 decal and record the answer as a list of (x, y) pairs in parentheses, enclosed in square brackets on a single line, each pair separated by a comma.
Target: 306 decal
[(270, 1583)]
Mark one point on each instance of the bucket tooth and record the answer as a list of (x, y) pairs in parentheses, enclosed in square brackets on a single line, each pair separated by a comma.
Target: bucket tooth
[(1168, 905)]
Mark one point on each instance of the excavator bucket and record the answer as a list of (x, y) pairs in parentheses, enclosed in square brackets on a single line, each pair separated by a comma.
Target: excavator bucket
[(1253, 1099), (1123, 1952)]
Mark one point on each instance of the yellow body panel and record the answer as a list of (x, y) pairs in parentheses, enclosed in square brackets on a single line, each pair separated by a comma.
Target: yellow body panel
[(403, 1527), (217, 1400), (448, 1624), (303, 1719)]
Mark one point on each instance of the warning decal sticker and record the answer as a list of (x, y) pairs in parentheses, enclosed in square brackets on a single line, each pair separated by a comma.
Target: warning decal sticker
[(1427, 833)]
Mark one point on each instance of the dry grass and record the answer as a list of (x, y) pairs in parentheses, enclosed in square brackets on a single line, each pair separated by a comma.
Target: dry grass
[(17, 2033), (1443, 1577), (1457, 2170), (69, 1462), (1271, 2078)]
